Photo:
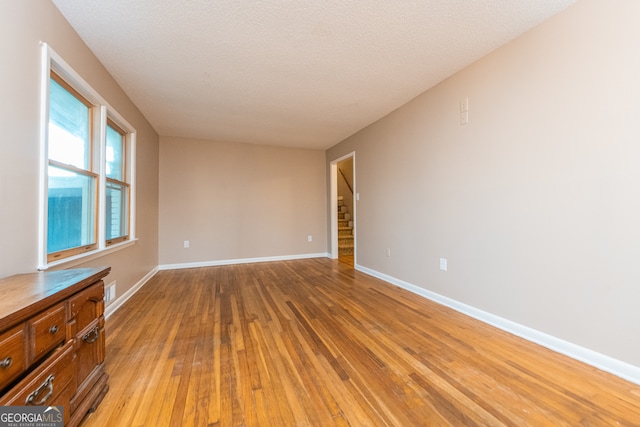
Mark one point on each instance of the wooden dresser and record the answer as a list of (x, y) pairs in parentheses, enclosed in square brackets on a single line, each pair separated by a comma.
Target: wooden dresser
[(52, 343)]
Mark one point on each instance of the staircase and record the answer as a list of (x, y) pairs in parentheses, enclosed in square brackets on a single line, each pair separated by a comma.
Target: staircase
[(345, 229)]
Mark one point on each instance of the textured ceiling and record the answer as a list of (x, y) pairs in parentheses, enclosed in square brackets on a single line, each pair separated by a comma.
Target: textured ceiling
[(289, 72)]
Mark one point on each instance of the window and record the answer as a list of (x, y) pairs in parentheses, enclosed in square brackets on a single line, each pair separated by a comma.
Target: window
[(71, 185), (117, 189), (87, 168)]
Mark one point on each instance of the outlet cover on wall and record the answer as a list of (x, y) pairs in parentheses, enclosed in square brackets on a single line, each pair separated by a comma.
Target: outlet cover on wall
[(443, 264)]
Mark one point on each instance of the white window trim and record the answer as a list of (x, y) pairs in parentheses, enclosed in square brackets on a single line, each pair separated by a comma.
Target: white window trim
[(52, 61)]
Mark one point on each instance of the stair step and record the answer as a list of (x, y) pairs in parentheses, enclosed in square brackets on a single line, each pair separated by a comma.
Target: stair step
[(345, 233), (345, 251)]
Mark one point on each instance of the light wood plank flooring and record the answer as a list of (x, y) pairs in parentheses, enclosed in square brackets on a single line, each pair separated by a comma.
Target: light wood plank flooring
[(316, 343)]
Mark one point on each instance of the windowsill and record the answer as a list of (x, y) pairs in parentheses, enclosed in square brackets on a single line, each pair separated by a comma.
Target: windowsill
[(85, 257)]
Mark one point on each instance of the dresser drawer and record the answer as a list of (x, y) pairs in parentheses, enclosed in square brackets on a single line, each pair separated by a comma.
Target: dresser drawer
[(48, 330), (51, 384), (89, 349), (12, 355), (86, 306)]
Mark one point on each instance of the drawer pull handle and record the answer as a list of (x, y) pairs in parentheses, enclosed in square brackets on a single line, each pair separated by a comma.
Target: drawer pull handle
[(53, 330), (48, 386), (6, 362), (91, 336)]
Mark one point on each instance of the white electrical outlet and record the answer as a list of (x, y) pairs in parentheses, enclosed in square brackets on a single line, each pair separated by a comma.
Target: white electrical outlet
[(309, 238), (443, 264), (186, 244)]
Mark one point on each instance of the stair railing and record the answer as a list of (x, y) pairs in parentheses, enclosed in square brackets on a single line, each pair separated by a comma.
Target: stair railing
[(345, 180)]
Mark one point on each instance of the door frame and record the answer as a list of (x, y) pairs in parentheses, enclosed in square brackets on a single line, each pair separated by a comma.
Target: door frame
[(334, 204)]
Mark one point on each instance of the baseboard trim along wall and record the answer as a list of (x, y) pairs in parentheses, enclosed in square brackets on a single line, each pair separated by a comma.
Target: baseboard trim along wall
[(118, 302), (606, 363), (240, 261)]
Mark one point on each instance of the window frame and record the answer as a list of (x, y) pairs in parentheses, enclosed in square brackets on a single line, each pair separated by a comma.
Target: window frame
[(89, 171), (102, 114), (123, 183)]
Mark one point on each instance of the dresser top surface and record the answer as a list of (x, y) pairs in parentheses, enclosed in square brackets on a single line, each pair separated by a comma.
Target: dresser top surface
[(24, 294)]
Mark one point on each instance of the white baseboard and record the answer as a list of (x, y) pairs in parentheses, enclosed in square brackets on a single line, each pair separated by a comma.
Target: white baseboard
[(239, 261), (117, 303), (606, 363)]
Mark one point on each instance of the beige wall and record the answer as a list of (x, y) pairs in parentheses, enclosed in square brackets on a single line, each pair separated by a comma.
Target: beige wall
[(536, 202), (25, 24), (239, 201)]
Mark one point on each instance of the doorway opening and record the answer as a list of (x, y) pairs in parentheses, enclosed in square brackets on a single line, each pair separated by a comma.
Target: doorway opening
[(343, 210)]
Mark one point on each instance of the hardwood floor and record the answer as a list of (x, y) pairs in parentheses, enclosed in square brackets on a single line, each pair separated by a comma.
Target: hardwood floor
[(347, 259), (314, 342)]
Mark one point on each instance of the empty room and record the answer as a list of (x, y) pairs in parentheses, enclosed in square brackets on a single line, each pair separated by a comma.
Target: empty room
[(316, 213)]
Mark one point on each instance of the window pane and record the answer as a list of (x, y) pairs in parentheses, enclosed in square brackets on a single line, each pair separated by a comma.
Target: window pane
[(71, 214), (117, 218), (115, 154), (69, 128)]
